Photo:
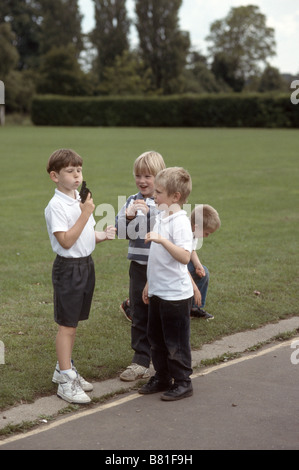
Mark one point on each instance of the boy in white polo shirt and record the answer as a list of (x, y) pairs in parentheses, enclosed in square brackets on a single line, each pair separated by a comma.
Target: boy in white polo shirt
[(169, 290), (70, 225)]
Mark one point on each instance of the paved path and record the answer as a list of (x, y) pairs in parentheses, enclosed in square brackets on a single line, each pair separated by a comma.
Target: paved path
[(248, 403)]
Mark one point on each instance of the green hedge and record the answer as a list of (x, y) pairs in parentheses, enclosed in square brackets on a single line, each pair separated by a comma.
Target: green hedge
[(229, 110)]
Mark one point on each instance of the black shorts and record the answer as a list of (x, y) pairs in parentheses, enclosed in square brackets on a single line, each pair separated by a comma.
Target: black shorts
[(73, 281)]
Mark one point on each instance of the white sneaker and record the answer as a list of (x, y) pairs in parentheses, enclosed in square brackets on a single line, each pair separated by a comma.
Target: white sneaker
[(71, 391), (58, 378), (134, 372)]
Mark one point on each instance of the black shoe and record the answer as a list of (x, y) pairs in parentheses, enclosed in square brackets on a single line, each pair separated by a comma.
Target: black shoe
[(177, 392), (154, 385), (125, 308), (200, 313)]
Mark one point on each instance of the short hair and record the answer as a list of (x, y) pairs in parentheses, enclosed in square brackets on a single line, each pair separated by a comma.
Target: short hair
[(149, 162), (208, 215), (175, 179), (62, 158)]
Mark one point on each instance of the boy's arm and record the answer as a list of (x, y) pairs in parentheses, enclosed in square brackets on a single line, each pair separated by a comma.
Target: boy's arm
[(177, 252), (197, 264), (67, 239), (108, 234), (197, 294)]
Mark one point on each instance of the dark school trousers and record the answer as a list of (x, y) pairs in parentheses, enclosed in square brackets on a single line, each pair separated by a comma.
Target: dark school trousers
[(139, 312), (169, 337)]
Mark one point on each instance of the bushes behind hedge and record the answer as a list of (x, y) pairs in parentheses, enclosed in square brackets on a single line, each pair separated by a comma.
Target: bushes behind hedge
[(229, 110)]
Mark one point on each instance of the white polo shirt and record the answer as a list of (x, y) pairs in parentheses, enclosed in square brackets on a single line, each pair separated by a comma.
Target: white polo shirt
[(168, 278), (61, 214)]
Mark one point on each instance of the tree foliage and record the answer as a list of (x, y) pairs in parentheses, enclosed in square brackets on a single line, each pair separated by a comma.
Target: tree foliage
[(8, 53), (110, 36), (240, 43), (24, 19), (61, 25), (41, 45), (163, 46)]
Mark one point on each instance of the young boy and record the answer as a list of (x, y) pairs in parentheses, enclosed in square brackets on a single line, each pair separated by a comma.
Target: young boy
[(70, 226), (133, 222), (205, 220), (169, 290)]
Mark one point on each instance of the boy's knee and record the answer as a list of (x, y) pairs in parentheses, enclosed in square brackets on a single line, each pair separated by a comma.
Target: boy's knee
[(67, 330), (207, 273)]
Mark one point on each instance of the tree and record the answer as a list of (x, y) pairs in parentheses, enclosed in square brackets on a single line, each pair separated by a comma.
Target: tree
[(24, 19), (8, 53), (271, 80), (61, 25), (240, 43), (60, 73), (198, 78), (163, 46), (126, 77), (110, 36)]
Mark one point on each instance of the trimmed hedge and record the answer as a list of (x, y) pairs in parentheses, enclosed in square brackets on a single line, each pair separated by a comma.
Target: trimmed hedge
[(228, 110)]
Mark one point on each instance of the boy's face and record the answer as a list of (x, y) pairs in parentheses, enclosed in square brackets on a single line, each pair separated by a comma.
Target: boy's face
[(162, 198), (145, 184), (200, 232), (68, 179)]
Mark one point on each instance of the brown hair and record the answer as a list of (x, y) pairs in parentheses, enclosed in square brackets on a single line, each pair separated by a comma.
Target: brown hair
[(208, 215), (62, 158)]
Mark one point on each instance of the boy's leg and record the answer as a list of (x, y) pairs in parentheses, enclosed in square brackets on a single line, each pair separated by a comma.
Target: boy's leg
[(73, 282), (64, 346), (65, 340), (175, 319), (201, 282), (156, 339), (139, 312), (161, 381)]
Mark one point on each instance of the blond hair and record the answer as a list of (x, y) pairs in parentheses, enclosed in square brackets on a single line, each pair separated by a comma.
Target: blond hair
[(209, 216), (175, 179), (149, 162)]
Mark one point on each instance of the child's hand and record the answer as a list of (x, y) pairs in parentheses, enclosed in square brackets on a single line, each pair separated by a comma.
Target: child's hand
[(140, 205), (110, 232), (134, 207), (197, 296), (88, 206), (145, 294), (153, 237), (200, 271)]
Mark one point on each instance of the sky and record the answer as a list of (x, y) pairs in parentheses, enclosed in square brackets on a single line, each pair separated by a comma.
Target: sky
[(196, 16)]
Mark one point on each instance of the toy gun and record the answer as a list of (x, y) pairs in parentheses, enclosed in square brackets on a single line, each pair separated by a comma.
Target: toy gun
[(84, 192)]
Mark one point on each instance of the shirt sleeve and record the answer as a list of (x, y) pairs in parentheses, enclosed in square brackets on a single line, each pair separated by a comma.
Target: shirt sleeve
[(57, 219), (182, 233)]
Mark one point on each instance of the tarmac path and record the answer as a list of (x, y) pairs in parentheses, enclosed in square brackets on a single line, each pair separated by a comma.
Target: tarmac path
[(250, 403)]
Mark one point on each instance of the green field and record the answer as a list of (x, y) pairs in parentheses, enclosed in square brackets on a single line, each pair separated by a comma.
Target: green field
[(251, 178)]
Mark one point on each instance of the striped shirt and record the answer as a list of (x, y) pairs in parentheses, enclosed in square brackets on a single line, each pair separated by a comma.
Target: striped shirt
[(136, 229)]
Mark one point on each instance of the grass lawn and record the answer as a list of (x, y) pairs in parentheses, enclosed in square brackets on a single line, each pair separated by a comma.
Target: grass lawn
[(250, 176)]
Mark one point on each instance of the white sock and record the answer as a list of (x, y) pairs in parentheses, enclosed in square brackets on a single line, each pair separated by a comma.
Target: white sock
[(68, 372)]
